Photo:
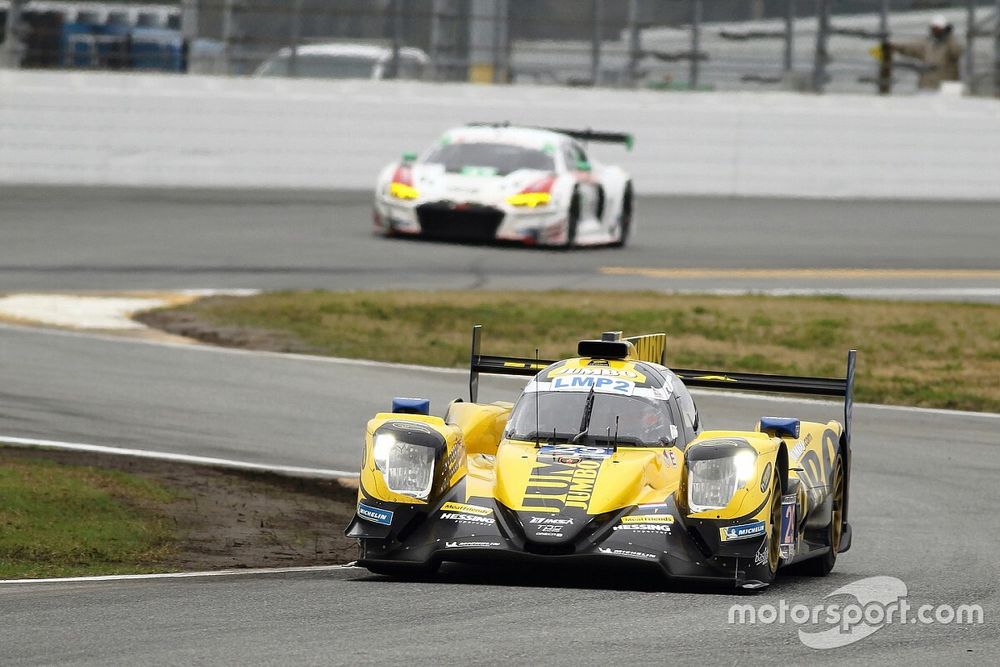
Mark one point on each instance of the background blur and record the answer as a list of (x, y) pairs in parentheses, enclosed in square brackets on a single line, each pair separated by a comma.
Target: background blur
[(655, 44)]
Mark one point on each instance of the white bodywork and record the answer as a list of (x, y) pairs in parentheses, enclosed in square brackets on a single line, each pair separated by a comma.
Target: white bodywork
[(464, 202)]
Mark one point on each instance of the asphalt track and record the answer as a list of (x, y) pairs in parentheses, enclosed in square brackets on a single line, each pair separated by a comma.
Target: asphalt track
[(57, 238), (924, 490), (924, 495)]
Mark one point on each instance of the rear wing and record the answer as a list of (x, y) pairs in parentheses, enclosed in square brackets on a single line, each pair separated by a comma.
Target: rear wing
[(624, 138), (652, 348)]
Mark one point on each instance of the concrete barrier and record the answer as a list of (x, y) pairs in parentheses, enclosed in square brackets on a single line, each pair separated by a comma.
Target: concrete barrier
[(163, 130)]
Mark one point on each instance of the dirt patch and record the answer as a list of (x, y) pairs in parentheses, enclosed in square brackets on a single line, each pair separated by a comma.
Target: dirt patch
[(233, 519), (190, 326)]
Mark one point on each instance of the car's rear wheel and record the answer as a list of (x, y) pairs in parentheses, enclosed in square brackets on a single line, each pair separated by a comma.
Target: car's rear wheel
[(625, 223), (823, 565), (572, 220)]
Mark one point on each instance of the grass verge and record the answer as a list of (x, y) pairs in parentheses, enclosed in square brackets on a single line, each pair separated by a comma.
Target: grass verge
[(944, 355), (58, 520)]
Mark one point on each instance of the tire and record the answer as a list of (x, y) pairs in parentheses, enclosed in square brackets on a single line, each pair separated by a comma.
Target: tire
[(572, 220), (823, 565), (770, 571), (626, 219)]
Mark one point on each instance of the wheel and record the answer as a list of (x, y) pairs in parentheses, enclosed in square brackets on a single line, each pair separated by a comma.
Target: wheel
[(572, 220), (822, 565), (626, 220), (774, 538)]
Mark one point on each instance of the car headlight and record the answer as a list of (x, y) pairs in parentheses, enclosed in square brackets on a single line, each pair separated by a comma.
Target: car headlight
[(716, 471), (407, 468)]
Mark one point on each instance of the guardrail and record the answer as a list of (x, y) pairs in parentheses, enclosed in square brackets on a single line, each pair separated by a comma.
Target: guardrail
[(163, 130)]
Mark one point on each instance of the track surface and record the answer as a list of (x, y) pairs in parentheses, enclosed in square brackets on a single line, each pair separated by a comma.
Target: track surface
[(924, 489), (79, 238), (924, 493)]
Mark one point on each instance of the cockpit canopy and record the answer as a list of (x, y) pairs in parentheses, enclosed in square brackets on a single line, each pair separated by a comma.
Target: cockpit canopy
[(593, 411)]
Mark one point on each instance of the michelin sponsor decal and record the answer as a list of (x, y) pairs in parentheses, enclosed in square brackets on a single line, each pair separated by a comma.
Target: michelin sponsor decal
[(374, 514), (626, 552), (743, 531)]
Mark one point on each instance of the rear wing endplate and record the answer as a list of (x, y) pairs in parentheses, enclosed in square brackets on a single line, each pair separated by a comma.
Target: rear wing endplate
[(725, 380)]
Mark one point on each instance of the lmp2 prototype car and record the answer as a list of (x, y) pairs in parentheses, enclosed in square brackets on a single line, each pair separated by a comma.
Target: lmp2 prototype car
[(497, 182), (604, 458)]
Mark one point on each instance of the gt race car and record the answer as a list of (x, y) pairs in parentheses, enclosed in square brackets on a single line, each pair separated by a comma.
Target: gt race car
[(603, 458), (497, 182)]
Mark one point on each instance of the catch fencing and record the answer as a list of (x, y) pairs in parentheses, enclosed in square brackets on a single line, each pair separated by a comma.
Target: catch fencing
[(799, 45)]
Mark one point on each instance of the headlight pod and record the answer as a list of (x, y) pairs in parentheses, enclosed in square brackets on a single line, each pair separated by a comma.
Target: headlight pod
[(717, 469), (405, 453)]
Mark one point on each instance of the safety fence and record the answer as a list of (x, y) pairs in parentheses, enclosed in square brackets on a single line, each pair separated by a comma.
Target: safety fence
[(802, 45)]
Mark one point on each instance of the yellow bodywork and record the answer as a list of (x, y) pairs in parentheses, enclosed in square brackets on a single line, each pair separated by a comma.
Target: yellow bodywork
[(523, 476)]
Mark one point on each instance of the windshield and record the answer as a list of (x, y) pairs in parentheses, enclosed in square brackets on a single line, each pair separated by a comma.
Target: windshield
[(640, 420), (493, 159), (320, 67)]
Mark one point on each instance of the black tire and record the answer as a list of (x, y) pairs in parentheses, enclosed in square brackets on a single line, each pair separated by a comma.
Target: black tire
[(770, 571), (572, 220), (823, 565), (626, 219)]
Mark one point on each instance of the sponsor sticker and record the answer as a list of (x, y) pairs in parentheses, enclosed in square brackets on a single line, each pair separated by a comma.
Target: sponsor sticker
[(626, 552), (551, 520), (455, 545), (788, 526), (743, 531), (644, 527), (603, 385), (374, 514), (466, 509), (649, 518), (467, 518), (575, 452), (760, 558)]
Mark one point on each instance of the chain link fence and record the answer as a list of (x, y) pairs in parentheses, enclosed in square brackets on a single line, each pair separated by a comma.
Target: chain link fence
[(805, 45)]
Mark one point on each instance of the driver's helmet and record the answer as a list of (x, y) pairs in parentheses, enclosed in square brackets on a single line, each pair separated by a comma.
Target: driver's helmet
[(652, 422)]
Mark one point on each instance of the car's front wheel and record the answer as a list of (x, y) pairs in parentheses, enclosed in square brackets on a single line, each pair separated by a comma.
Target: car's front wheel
[(823, 565)]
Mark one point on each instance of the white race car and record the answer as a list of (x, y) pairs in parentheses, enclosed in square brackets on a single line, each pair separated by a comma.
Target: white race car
[(487, 182)]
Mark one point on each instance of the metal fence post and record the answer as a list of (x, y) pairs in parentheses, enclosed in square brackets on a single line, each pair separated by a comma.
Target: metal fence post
[(996, 51), (885, 62), (228, 34), (696, 14), (12, 49), (633, 43), (822, 36), (295, 36), (789, 63), (501, 16), (597, 15), (397, 38), (970, 45)]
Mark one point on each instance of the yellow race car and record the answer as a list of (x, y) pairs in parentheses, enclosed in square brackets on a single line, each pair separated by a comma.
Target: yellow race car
[(604, 457)]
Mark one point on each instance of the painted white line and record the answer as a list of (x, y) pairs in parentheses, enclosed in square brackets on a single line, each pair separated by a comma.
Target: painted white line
[(183, 575), (367, 363), (890, 293), (178, 458)]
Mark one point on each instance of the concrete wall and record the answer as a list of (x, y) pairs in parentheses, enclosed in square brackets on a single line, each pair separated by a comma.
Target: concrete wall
[(161, 130)]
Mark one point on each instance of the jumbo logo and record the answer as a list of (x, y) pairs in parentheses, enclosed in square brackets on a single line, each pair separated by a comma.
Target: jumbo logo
[(560, 484), (599, 371)]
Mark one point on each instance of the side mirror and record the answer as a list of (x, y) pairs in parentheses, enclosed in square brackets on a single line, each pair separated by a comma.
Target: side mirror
[(409, 156), (583, 165)]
